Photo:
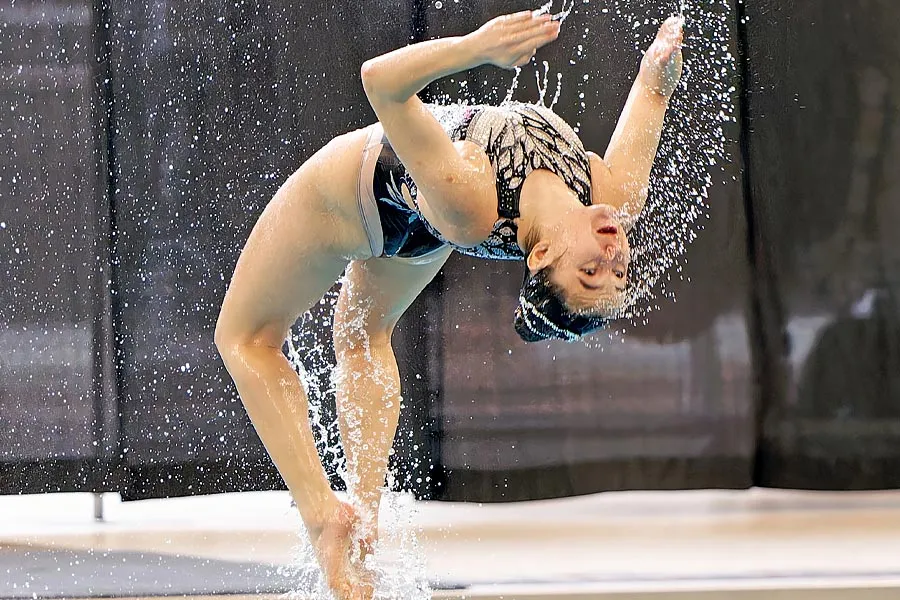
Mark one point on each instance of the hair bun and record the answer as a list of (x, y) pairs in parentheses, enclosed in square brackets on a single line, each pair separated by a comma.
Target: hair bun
[(542, 314), (525, 331)]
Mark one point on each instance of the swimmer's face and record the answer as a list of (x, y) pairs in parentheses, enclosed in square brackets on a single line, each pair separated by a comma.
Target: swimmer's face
[(588, 253)]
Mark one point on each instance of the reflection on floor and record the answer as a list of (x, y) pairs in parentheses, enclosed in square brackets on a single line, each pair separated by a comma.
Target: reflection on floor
[(672, 545)]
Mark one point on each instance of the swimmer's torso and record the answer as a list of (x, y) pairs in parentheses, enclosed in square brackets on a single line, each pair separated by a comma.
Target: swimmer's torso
[(517, 138)]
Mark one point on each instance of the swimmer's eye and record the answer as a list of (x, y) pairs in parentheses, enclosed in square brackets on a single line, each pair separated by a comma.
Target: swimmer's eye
[(619, 273), (589, 271)]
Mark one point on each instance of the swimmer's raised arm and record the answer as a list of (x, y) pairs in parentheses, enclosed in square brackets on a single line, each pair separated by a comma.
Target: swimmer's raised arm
[(450, 182), (507, 41), (624, 171)]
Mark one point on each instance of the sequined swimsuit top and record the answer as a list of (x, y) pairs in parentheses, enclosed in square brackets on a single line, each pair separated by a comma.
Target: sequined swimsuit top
[(517, 138)]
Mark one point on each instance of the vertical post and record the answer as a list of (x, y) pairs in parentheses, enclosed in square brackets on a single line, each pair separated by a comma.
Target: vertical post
[(108, 418), (98, 506)]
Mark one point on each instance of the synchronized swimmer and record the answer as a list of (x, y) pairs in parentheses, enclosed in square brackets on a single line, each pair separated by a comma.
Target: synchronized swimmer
[(385, 206)]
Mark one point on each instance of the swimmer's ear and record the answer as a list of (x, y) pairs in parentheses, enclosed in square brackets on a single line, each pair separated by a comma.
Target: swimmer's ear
[(541, 256)]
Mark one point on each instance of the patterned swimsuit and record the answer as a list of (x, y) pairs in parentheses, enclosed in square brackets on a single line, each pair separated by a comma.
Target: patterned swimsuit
[(517, 138)]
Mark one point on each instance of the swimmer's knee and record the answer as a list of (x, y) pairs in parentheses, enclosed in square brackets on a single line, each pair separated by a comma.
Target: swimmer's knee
[(229, 347), (232, 342)]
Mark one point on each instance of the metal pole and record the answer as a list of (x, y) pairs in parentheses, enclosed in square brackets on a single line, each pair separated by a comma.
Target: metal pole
[(98, 506)]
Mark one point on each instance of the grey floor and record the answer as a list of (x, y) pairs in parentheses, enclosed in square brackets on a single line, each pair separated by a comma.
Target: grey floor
[(664, 543)]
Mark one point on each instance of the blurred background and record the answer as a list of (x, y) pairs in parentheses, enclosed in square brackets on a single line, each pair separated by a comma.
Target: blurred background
[(141, 139)]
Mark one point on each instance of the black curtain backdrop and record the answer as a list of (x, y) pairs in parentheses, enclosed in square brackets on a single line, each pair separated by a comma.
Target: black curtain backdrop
[(140, 140), (822, 146), (667, 406)]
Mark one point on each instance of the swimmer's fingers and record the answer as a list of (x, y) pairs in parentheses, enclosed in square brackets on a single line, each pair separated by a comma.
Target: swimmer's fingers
[(511, 40), (672, 25), (332, 557), (333, 548), (526, 50), (662, 65), (540, 36), (519, 19), (340, 576), (367, 545), (670, 37), (515, 24)]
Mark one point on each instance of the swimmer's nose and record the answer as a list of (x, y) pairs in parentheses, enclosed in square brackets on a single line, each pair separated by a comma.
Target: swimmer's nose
[(610, 250)]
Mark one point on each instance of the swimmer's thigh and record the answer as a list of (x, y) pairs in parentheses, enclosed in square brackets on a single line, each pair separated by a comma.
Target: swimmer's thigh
[(286, 266), (376, 293)]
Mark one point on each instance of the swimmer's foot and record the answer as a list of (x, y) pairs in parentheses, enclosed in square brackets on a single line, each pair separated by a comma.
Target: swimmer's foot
[(662, 64), (333, 544)]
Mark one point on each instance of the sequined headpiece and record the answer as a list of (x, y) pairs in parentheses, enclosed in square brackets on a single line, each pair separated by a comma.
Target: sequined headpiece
[(542, 315)]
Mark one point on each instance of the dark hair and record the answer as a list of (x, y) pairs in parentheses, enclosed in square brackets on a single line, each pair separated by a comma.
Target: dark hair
[(542, 314)]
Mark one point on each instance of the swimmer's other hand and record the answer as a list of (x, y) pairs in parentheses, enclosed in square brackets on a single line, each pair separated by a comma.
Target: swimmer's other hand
[(662, 64), (511, 40)]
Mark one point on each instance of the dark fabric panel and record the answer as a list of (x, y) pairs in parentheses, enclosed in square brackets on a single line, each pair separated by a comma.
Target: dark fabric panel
[(824, 140), (194, 477), (216, 104), (577, 478), (51, 475), (54, 370), (136, 159), (667, 405)]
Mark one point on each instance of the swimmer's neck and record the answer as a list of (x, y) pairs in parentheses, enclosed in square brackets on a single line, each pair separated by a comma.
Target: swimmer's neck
[(544, 200)]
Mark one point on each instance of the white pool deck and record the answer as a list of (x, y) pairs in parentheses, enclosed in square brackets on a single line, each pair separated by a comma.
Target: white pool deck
[(634, 545)]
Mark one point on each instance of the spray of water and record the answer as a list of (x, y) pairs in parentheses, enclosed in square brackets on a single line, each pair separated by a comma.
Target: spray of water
[(398, 561), (691, 152), (692, 149)]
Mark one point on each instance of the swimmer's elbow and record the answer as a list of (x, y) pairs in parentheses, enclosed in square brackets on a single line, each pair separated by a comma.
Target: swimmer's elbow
[(219, 338), (369, 73), (381, 84), (365, 73), (225, 343)]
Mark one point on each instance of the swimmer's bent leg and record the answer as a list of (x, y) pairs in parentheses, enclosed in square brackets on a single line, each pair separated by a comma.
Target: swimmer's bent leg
[(374, 296), (281, 273)]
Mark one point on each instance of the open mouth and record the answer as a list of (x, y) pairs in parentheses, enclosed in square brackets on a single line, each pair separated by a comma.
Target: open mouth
[(609, 229)]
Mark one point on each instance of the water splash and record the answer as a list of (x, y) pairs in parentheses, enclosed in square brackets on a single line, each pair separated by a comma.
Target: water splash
[(512, 86), (543, 85), (692, 151), (398, 561), (560, 16)]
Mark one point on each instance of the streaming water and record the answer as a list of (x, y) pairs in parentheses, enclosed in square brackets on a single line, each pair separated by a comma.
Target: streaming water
[(398, 564), (693, 147), (691, 153), (139, 141)]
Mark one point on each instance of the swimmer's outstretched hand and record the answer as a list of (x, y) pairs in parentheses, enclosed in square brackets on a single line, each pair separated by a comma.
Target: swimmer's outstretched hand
[(512, 40), (662, 64), (347, 579)]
